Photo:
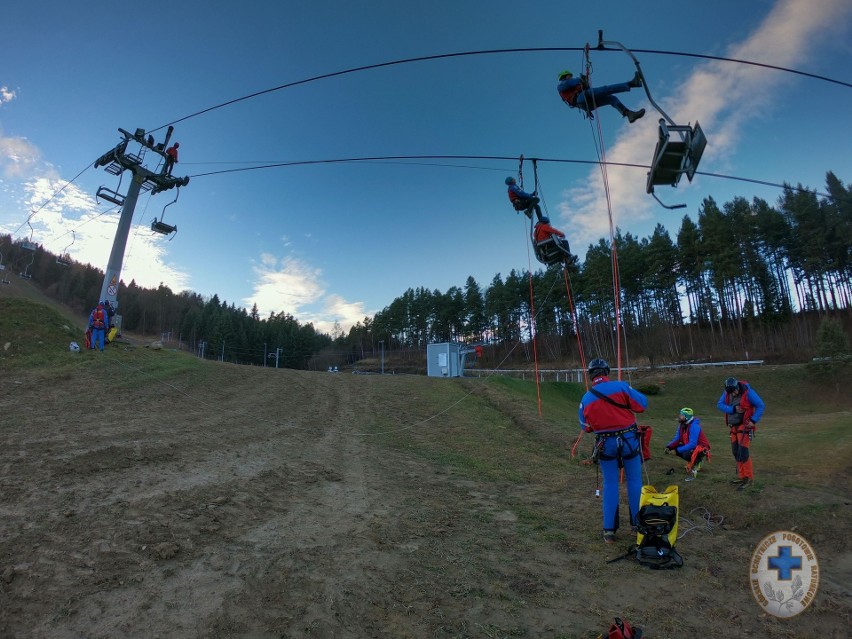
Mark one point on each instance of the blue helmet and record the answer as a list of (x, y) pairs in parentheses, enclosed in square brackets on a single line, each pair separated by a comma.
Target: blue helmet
[(598, 367), (510, 180), (731, 384), (545, 219)]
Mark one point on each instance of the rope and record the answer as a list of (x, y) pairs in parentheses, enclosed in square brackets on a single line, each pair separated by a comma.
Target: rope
[(703, 520), (616, 280), (534, 335), (521, 171), (575, 324), (460, 54)]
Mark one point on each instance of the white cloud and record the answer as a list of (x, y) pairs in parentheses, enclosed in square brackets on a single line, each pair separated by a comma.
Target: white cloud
[(785, 37), (18, 157), (293, 286), (7, 95), (71, 221), (346, 314), (285, 285)]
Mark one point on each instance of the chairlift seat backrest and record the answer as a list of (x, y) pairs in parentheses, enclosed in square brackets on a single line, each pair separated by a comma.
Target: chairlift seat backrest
[(110, 196), (162, 227), (675, 156), (696, 150), (550, 251), (29, 246)]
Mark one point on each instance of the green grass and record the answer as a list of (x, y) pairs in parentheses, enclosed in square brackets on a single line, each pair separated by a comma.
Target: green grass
[(34, 335), (491, 430)]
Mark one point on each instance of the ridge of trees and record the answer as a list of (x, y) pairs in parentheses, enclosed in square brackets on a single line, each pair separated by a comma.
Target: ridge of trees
[(744, 278)]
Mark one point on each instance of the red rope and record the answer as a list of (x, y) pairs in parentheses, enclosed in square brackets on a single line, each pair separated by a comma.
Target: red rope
[(616, 286), (576, 325), (533, 332), (534, 339)]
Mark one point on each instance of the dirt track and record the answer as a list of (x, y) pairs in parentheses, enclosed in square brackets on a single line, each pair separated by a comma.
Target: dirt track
[(242, 502)]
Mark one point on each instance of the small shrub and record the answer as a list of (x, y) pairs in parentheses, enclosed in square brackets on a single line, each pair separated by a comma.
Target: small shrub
[(831, 340)]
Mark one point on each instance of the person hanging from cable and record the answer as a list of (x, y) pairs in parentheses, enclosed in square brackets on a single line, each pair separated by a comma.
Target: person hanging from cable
[(607, 410), (577, 93), (543, 232), (171, 158), (521, 200), (689, 442)]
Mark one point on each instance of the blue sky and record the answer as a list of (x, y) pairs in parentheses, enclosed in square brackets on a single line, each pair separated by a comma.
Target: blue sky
[(337, 242)]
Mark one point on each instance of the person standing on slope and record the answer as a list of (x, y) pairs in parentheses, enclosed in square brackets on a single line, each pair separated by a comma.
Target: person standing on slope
[(607, 410)]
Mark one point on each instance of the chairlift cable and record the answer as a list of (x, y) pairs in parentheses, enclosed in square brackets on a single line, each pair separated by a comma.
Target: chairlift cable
[(461, 54)]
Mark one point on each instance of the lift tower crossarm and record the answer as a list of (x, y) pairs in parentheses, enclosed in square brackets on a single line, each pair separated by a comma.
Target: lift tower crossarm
[(115, 161)]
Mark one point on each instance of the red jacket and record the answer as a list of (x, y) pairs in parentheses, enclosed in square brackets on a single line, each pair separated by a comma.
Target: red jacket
[(544, 231)]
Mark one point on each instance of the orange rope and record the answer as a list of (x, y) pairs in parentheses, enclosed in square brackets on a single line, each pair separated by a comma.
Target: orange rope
[(576, 327), (534, 339), (616, 286), (575, 324), (534, 333)]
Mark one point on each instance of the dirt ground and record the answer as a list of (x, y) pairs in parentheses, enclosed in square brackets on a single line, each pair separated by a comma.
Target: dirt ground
[(240, 502)]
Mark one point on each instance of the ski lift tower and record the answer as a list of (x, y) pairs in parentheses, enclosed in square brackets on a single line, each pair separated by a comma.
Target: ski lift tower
[(115, 162)]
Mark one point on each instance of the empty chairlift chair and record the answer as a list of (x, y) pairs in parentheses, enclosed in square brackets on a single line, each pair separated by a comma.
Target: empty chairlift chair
[(679, 147), (160, 226), (678, 152)]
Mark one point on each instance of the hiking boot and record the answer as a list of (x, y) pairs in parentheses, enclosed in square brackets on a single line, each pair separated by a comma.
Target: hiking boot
[(636, 82), (748, 483), (632, 116), (609, 536), (739, 480)]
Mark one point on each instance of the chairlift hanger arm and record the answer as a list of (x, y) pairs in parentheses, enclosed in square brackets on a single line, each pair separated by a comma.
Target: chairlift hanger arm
[(666, 206), (602, 46)]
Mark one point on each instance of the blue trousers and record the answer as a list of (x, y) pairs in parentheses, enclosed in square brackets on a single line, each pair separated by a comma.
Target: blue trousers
[(630, 447), (604, 96), (98, 338)]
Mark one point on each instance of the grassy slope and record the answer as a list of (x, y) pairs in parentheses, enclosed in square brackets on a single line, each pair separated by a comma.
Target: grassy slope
[(490, 431)]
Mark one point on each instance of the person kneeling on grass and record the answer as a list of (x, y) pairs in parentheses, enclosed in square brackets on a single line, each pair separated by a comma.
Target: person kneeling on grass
[(689, 442)]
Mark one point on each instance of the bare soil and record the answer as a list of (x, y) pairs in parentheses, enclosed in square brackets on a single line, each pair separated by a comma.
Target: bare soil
[(238, 502)]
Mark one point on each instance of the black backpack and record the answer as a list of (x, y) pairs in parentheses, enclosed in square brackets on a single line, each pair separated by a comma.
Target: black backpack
[(654, 545)]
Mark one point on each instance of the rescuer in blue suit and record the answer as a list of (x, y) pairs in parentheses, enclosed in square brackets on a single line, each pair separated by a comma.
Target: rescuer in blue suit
[(576, 93), (607, 410)]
